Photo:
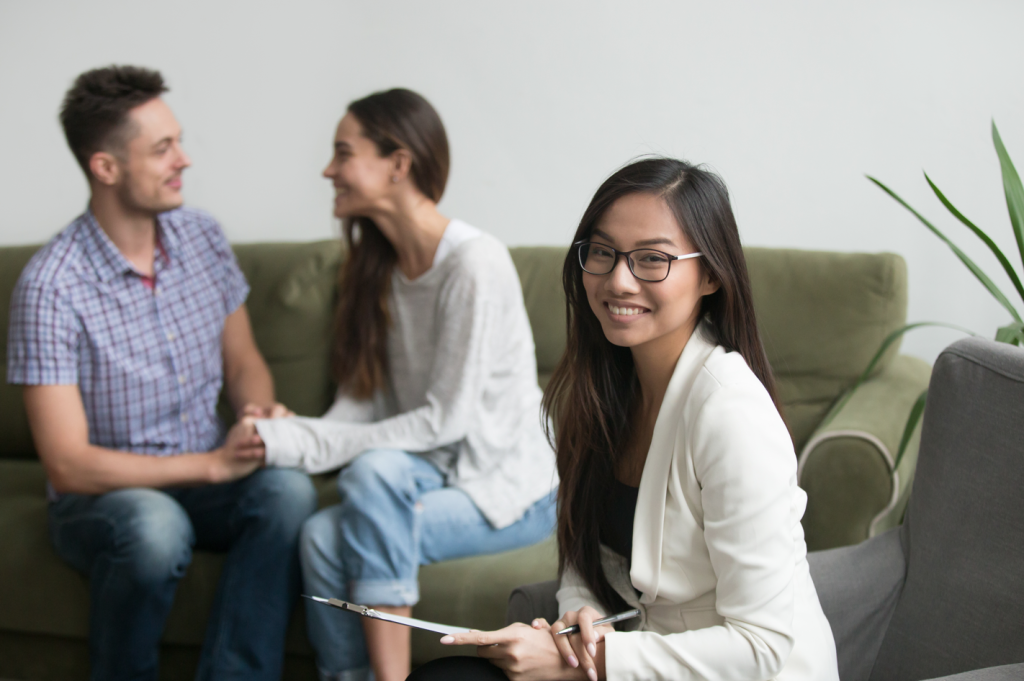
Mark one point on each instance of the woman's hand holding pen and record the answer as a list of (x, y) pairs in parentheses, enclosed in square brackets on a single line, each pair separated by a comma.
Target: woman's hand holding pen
[(582, 650), (524, 652)]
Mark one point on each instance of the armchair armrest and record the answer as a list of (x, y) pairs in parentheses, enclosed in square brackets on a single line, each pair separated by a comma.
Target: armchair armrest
[(846, 468), (530, 601), (858, 587)]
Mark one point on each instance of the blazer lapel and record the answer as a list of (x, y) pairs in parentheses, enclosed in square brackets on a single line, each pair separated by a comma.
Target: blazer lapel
[(649, 519)]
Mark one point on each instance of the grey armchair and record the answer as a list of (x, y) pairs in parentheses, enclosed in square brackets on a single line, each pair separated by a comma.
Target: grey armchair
[(944, 593), (942, 596)]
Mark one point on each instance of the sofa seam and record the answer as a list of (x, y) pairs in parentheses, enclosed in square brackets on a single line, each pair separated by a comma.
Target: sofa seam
[(977, 361)]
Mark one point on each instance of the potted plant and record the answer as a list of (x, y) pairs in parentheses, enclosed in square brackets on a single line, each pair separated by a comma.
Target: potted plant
[(1013, 332)]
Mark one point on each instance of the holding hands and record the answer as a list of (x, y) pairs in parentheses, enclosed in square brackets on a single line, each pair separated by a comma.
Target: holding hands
[(243, 452), (274, 411), (243, 442), (537, 652)]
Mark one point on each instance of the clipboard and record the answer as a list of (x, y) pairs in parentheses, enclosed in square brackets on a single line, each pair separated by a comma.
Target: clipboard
[(387, 617)]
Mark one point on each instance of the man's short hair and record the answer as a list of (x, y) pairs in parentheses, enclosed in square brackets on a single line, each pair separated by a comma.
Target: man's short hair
[(95, 110)]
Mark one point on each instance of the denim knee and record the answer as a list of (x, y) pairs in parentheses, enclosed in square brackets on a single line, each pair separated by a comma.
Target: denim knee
[(374, 475), (152, 535), (285, 497), (318, 541)]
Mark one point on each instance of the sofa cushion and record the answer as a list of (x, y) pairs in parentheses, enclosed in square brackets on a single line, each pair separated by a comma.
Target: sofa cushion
[(43, 595), (540, 273), (291, 304), (822, 317)]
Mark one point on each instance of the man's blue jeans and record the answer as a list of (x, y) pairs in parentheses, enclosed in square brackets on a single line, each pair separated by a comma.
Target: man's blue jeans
[(135, 544), (395, 515)]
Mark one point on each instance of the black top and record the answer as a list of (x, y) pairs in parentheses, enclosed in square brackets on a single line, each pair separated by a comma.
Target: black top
[(616, 530)]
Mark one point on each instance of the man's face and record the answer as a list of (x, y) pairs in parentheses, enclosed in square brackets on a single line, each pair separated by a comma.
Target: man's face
[(152, 160)]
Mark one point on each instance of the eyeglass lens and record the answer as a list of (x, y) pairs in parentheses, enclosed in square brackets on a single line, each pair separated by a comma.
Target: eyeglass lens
[(648, 265)]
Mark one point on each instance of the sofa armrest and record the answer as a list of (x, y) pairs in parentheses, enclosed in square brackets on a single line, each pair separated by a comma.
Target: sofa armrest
[(858, 587), (846, 468), (530, 601)]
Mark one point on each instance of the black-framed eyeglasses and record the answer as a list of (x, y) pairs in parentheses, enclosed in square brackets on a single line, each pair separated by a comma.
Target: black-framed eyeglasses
[(646, 264)]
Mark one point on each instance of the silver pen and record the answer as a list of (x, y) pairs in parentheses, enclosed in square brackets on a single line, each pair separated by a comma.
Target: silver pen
[(628, 615)]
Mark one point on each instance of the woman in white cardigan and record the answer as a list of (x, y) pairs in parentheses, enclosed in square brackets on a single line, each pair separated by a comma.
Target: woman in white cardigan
[(436, 426), (678, 477)]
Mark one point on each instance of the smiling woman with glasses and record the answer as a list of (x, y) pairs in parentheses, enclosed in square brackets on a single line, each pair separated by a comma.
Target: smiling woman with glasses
[(678, 491)]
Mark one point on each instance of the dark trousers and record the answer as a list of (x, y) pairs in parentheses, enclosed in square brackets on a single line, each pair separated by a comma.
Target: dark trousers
[(135, 544), (463, 668)]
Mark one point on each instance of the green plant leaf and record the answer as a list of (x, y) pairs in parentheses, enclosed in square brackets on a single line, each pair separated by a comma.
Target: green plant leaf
[(1013, 190), (975, 270), (889, 340), (1011, 333), (981, 235), (908, 430)]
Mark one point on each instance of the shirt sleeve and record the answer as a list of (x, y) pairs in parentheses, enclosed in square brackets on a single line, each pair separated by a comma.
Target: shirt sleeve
[(233, 285), (573, 594), (42, 339), (347, 409), (455, 386), (743, 459)]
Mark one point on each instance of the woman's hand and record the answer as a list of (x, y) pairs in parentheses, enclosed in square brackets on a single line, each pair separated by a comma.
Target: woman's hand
[(582, 650), (523, 652)]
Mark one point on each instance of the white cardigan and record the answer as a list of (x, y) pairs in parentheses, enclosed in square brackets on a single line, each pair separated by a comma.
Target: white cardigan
[(718, 550)]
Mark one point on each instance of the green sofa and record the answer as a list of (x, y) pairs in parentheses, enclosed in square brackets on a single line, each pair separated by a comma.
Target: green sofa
[(823, 315)]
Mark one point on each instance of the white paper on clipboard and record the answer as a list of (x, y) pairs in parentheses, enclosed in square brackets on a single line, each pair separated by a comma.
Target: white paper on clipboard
[(387, 617)]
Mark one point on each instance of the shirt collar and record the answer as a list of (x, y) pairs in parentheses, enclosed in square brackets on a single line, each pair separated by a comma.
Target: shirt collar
[(108, 261), (170, 238)]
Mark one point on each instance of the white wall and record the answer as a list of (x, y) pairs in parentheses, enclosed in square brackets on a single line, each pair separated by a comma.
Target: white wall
[(792, 102)]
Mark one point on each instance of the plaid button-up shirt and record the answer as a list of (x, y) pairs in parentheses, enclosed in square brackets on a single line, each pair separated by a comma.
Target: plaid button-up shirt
[(147, 360)]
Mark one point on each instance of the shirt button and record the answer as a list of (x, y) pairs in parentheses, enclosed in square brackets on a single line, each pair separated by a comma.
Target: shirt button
[(181, 379), (170, 336), (184, 418)]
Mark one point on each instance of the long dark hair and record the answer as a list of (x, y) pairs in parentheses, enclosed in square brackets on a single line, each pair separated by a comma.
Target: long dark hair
[(594, 393), (392, 120)]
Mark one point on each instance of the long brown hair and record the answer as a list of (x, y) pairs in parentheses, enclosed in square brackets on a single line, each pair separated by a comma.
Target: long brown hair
[(392, 120), (593, 394)]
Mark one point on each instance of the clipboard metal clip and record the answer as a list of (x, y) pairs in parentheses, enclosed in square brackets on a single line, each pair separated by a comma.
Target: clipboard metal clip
[(386, 617)]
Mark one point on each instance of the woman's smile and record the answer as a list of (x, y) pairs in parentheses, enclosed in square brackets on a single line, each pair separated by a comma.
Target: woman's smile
[(624, 312)]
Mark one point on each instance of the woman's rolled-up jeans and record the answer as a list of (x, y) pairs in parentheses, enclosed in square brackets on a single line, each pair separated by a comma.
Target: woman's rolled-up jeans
[(395, 515)]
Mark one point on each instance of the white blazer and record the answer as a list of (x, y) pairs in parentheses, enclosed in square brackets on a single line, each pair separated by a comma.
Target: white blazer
[(718, 550)]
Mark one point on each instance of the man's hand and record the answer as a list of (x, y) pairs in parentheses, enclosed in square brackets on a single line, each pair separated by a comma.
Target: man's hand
[(523, 652), (243, 452), (243, 442), (274, 411)]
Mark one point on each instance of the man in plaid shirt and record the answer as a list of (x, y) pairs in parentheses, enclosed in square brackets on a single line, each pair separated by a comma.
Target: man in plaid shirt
[(123, 330)]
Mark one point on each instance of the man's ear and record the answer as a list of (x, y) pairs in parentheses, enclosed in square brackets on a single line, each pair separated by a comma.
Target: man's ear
[(105, 168)]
